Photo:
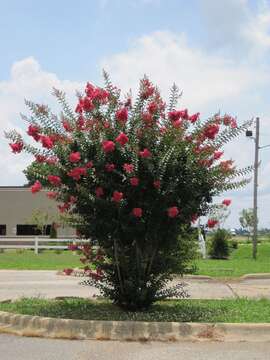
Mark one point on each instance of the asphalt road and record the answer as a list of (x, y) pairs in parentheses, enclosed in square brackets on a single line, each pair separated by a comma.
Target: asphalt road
[(21, 348), (15, 284)]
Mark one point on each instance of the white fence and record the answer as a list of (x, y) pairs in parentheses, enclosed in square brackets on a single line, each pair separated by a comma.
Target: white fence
[(38, 243)]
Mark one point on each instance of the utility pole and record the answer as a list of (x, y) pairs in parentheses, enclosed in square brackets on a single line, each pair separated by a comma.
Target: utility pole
[(255, 189)]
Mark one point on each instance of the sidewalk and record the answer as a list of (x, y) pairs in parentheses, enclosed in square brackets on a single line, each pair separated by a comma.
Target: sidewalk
[(15, 284)]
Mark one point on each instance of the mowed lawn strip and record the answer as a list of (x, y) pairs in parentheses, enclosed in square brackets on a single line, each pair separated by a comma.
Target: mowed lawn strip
[(46, 260), (239, 263), (237, 310)]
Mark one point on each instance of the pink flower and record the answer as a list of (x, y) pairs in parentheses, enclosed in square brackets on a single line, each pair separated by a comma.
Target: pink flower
[(147, 89), (33, 131), (137, 212), (77, 172), (109, 167), (64, 207), (99, 191), (178, 114), (226, 202), (134, 181), (87, 105), (36, 187), (80, 123), (226, 166), (233, 124), (72, 247), (84, 104), (194, 218), (52, 195), (184, 114), (217, 155), (72, 199), (129, 168), (145, 153), (211, 131), (96, 94), (206, 162), (122, 115), (75, 157), (67, 126), (68, 271), (106, 124), (40, 158), (122, 139), (173, 211), (16, 147), (152, 107), (212, 223), (156, 184), (147, 118), (54, 180), (174, 115), (117, 196), (89, 165), (193, 118), (229, 120), (46, 141), (51, 160), (177, 124), (108, 146)]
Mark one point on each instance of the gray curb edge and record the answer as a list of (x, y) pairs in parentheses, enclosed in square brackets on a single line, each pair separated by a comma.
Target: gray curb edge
[(36, 326)]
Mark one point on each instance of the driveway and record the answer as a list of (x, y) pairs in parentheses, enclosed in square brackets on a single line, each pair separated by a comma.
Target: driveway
[(27, 283)]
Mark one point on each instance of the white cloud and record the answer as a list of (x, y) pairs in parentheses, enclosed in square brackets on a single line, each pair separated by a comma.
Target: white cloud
[(258, 31), (167, 58), (235, 26), (210, 82), (27, 80)]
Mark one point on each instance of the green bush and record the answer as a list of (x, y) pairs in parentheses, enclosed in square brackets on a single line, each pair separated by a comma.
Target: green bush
[(219, 247), (53, 231), (234, 244)]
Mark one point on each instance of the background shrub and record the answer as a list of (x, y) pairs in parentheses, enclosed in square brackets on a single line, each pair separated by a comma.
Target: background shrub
[(219, 247)]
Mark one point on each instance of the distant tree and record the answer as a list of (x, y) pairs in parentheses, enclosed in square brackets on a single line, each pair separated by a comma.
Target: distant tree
[(246, 220), (41, 219)]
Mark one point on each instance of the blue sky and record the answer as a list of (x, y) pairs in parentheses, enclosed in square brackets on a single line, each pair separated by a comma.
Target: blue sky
[(216, 51), (70, 38)]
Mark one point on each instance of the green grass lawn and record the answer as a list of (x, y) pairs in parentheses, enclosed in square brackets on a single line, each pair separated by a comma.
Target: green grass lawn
[(239, 263), (46, 260), (238, 310)]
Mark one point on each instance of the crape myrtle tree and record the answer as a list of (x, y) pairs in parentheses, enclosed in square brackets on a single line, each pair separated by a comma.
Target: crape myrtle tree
[(133, 175)]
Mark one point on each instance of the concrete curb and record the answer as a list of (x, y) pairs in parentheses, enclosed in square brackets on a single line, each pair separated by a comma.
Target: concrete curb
[(255, 276), (36, 326)]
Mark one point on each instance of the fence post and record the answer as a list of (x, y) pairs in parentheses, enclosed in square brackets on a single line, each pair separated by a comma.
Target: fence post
[(36, 245)]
